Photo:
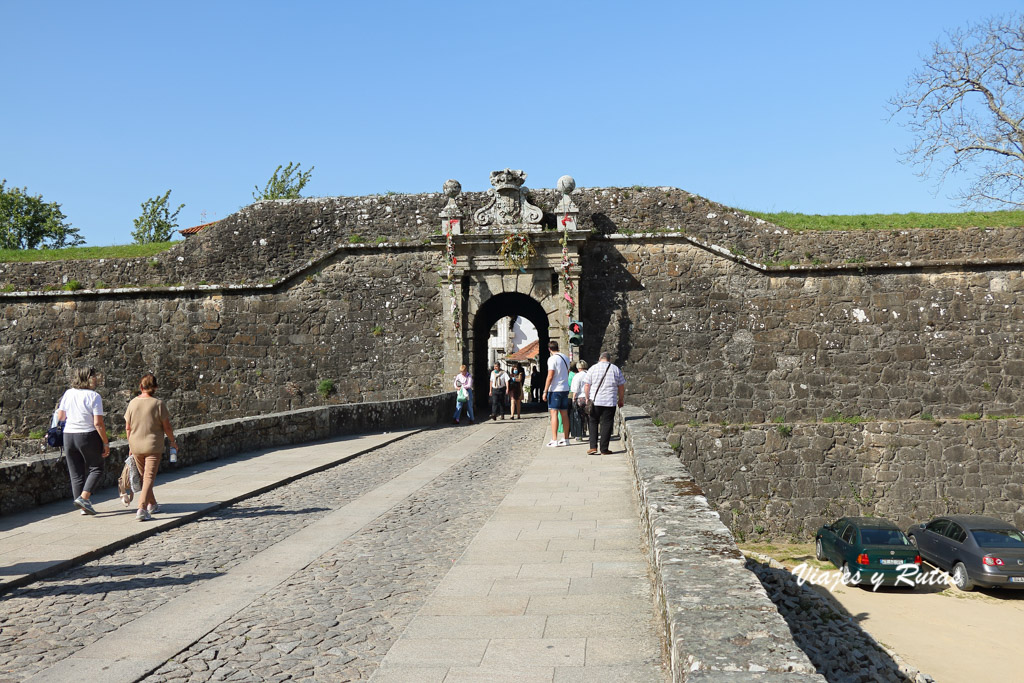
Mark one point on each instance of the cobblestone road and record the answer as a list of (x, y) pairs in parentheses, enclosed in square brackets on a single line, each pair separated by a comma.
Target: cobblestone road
[(334, 620)]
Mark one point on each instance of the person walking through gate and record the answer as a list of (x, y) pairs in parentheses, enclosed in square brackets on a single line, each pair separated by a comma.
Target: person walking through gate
[(498, 385), (146, 420), (517, 377), (464, 381), (577, 415), (85, 436), (606, 387), (556, 393), (534, 384)]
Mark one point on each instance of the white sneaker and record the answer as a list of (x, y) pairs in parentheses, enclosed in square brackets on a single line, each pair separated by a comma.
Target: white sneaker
[(551, 444), (143, 515), (563, 442)]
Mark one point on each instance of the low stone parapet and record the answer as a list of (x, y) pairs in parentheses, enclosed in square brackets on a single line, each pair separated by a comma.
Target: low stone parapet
[(43, 478), (720, 623)]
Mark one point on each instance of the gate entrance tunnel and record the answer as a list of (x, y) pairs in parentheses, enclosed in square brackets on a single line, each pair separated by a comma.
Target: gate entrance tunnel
[(500, 306)]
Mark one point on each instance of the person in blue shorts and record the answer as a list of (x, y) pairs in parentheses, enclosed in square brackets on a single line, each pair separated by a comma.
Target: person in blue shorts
[(556, 393)]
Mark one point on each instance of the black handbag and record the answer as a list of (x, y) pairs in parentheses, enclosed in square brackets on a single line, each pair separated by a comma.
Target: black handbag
[(55, 434)]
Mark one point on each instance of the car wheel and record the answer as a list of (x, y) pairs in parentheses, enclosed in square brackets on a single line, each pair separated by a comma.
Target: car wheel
[(847, 572), (961, 578), (913, 541), (819, 552)]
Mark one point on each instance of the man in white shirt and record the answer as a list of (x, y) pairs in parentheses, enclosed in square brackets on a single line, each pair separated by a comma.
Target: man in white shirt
[(498, 385), (556, 393), (606, 387)]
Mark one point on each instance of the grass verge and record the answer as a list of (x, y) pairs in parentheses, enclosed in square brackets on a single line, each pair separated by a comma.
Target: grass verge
[(81, 253), (799, 222)]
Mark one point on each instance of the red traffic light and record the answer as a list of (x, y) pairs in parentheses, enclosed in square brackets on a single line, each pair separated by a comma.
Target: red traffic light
[(575, 327)]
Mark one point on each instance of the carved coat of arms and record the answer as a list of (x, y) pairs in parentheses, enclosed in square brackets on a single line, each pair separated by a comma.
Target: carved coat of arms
[(508, 206)]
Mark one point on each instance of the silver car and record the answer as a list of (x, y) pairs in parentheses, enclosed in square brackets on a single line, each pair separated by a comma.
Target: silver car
[(976, 550)]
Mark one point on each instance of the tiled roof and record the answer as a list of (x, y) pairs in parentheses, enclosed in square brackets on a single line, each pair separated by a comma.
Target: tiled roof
[(197, 228), (528, 352)]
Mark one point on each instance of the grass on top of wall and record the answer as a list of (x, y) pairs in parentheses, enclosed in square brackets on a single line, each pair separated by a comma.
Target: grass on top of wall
[(81, 253), (799, 222)]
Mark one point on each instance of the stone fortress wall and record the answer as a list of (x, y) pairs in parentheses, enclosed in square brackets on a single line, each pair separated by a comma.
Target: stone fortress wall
[(800, 393), (739, 338)]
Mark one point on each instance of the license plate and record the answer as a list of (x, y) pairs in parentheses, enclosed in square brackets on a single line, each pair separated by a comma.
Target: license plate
[(891, 562), (1017, 579)]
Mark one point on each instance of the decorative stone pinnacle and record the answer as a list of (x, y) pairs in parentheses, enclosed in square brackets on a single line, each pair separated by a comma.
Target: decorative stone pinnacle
[(567, 211), (452, 189)]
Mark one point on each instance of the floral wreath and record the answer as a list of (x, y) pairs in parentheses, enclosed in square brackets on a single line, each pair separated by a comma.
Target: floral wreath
[(516, 251), (570, 303), (456, 314)]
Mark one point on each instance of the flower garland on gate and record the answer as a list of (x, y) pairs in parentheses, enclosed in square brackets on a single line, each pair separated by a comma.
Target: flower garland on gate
[(516, 251), (566, 266), (456, 313)]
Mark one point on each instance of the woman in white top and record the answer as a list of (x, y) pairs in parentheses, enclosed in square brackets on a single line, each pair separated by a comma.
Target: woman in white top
[(85, 436)]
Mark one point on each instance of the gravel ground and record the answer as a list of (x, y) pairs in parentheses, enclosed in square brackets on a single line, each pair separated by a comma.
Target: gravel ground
[(840, 650), (332, 621)]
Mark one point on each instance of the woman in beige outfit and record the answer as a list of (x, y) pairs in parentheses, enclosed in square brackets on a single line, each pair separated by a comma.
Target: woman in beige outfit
[(146, 421)]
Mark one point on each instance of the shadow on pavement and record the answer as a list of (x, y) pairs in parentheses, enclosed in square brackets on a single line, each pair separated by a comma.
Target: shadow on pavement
[(830, 636), (233, 512), (99, 579)]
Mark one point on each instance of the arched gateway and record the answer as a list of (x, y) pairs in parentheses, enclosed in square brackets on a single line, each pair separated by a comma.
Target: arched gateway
[(509, 259)]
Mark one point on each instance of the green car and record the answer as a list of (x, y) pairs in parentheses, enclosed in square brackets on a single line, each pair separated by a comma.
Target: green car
[(871, 550)]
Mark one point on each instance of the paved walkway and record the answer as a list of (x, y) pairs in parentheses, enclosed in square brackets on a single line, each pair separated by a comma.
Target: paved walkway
[(457, 554), (42, 541), (553, 588)]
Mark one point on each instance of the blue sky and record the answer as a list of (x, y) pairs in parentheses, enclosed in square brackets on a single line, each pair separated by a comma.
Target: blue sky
[(767, 106)]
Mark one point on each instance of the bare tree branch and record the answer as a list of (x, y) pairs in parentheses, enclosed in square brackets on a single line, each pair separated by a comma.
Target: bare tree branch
[(965, 109)]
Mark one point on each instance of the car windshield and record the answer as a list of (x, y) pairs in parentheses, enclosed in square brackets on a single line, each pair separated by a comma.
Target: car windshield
[(998, 538), (883, 537)]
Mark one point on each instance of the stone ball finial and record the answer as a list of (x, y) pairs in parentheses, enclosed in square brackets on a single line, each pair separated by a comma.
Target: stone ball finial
[(452, 188), (566, 184)]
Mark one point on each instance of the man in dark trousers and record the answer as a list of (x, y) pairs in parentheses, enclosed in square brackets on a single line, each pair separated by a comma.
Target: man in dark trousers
[(606, 387), (535, 384), (498, 386)]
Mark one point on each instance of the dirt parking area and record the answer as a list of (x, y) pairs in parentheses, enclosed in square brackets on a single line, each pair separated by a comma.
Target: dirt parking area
[(950, 635)]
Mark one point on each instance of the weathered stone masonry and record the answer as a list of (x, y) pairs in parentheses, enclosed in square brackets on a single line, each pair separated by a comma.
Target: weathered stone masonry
[(716, 340), (713, 339), (365, 322), (716, 317), (772, 482)]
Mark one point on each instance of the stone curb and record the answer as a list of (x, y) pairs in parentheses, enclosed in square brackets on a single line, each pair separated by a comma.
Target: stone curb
[(720, 624)]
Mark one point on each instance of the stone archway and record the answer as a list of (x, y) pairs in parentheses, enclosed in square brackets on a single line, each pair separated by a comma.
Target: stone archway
[(511, 304), (484, 289)]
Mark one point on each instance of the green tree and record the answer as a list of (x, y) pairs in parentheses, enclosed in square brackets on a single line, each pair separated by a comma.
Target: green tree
[(286, 183), (156, 222), (965, 108), (27, 222)]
